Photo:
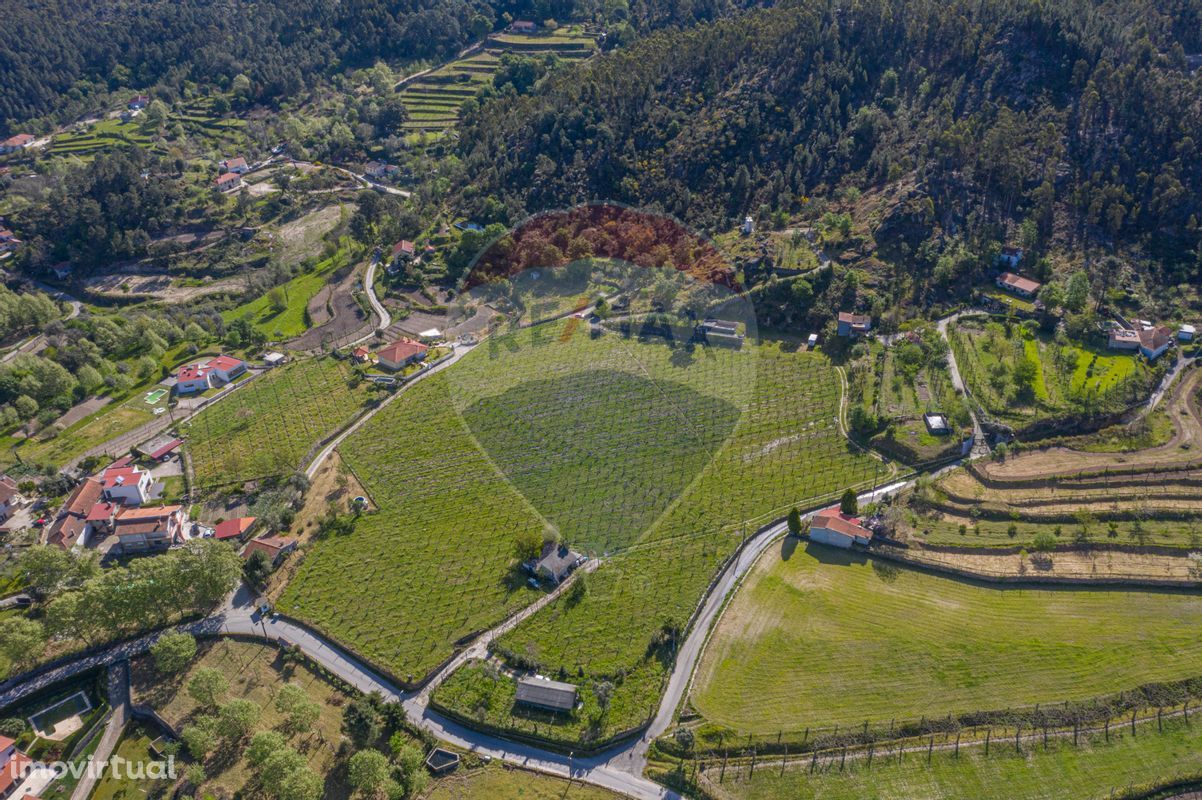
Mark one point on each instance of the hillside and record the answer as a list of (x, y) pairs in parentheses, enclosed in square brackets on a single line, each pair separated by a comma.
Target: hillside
[(1076, 118), (59, 56)]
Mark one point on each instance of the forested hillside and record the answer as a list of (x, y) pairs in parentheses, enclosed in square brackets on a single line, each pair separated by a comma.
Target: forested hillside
[(58, 53), (1078, 118)]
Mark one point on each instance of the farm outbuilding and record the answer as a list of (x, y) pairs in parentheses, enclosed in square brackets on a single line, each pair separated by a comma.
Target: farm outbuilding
[(547, 694)]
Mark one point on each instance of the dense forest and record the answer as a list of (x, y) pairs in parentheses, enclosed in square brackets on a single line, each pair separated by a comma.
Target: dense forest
[(1074, 118), (56, 54)]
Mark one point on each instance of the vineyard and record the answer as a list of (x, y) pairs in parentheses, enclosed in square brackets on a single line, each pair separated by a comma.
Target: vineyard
[(876, 643), (546, 431), (267, 427)]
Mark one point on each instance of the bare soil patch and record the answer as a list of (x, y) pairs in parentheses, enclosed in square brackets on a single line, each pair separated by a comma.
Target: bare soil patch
[(335, 314), (162, 287), (1075, 565)]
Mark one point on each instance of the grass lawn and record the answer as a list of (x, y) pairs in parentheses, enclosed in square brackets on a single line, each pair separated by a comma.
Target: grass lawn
[(499, 782), (647, 455), (255, 672), (133, 746), (266, 428), (1062, 772), (287, 319), (825, 638)]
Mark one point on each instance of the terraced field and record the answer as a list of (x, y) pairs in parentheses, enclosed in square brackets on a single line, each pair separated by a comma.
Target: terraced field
[(433, 100), (196, 117), (1148, 496), (265, 429), (541, 430), (819, 637)]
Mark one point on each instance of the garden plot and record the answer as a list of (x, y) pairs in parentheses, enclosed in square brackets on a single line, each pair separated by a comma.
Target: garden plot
[(267, 427), (1021, 376)]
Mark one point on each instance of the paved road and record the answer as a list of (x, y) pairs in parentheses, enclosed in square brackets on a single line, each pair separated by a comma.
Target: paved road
[(118, 697), (369, 287)]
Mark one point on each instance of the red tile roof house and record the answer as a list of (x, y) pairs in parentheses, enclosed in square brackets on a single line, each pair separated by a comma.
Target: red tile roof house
[(274, 547), (1024, 287), (361, 355), (125, 484), (14, 143), (523, 26), (205, 375), (404, 250), (1154, 341), (235, 528), (238, 165), (141, 530), (401, 354), (853, 324), (14, 766), (227, 181), (70, 527), (138, 101), (834, 528)]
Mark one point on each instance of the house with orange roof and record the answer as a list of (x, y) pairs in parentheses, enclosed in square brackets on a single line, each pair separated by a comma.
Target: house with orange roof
[(70, 526), (274, 547), (126, 484), (235, 528), (831, 526), (401, 354), (141, 530)]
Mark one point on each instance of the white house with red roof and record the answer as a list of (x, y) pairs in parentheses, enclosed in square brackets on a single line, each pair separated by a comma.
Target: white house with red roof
[(126, 484), (71, 527), (201, 376), (138, 102), (401, 354), (14, 767), (227, 181), (10, 497), (403, 250), (14, 143), (1017, 284), (831, 526), (238, 165)]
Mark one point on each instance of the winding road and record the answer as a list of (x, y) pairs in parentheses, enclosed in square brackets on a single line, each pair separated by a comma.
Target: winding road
[(619, 768)]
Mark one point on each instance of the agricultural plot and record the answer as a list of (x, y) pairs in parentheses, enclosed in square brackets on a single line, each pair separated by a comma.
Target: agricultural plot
[(281, 313), (544, 430), (1021, 376), (266, 428), (1135, 484), (819, 637), (433, 101), (1095, 769), (897, 385)]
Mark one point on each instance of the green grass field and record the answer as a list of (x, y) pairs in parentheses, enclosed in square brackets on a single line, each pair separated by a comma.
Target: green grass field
[(288, 319), (1062, 772), (266, 428), (544, 429), (824, 638)]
